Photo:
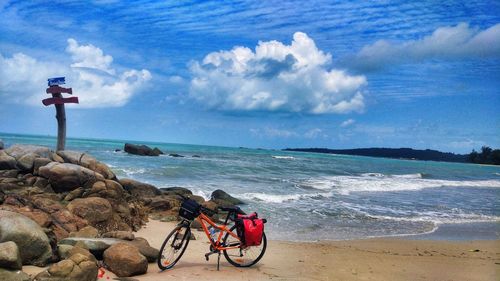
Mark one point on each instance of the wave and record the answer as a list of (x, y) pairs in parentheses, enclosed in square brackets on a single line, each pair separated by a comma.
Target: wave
[(374, 182), (283, 157), (281, 198)]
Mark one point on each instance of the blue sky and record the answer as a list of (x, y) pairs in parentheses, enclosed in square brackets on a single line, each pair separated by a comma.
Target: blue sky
[(269, 74)]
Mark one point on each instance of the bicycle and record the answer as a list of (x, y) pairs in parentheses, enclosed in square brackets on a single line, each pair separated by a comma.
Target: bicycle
[(227, 242)]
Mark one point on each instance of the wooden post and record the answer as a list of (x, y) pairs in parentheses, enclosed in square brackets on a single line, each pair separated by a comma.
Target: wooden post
[(61, 124), (58, 100)]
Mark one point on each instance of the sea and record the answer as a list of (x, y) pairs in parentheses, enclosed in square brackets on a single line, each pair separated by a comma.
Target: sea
[(312, 196)]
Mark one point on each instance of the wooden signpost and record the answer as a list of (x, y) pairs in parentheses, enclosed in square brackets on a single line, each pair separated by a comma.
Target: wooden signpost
[(58, 100)]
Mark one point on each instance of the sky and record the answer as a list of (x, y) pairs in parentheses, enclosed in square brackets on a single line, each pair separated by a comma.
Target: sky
[(267, 74)]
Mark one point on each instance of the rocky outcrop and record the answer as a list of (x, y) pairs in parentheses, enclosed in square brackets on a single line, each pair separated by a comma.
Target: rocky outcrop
[(123, 235), (87, 161), (125, 260), (10, 257), (33, 243), (223, 199), (142, 150), (139, 189)]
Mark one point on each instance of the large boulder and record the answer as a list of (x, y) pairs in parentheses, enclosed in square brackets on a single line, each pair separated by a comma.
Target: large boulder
[(175, 190), (67, 177), (223, 199), (26, 161), (87, 161), (10, 257), (125, 260), (78, 266), (142, 150), (93, 209), (96, 246), (13, 275), (139, 189), (30, 238)]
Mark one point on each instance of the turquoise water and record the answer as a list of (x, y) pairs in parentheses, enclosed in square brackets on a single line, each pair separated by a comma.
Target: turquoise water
[(307, 196)]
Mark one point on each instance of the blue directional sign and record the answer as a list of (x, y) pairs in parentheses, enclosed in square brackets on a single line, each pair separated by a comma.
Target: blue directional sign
[(56, 81)]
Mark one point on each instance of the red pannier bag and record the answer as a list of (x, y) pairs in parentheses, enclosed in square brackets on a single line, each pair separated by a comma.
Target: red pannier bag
[(250, 229)]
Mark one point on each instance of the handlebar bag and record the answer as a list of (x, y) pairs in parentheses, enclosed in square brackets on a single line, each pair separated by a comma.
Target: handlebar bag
[(190, 209), (250, 229)]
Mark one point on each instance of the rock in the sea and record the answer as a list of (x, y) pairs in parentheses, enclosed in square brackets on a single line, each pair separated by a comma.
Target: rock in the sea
[(67, 177), (125, 260), (142, 150), (10, 256), (139, 189), (13, 275), (93, 209), (223, 199), (175, 155), (156, 150), (30, 238), (175, 190)]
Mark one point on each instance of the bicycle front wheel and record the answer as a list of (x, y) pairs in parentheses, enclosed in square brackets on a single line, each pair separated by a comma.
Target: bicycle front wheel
[(243, 256), (173, 247)]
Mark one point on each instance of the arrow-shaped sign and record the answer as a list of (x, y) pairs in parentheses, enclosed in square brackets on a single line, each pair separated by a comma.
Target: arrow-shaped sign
[(57, 90), (50, 101)]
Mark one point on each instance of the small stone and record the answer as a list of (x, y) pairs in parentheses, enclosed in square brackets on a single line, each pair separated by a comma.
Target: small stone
[(10, 257)]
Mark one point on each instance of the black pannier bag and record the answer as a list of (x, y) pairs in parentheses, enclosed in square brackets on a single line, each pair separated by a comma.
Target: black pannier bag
[(189, 210)]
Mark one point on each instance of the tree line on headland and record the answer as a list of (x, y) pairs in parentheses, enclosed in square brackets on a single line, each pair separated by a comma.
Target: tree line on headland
[(486, 156)]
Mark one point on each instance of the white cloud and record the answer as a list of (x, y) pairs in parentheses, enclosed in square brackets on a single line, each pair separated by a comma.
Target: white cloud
[(314, 133), (449, 42), (273, 133), (90, 74), (347, 123), (276, 77)]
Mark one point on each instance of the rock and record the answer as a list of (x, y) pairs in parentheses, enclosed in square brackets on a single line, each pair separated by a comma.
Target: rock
[(77, 267), (41, 218), (10, 257), (96, 246), (56, 158), (7, 162), (118, 150), (25, 162), (196, 156), (39, 162), (64, 250), (30, 238), (93, 209), (87, 161), (175, 155), (142, 150), (13, 275), (79, 250), (106, 189), (222, 198), (124, 235), (139, 189), (176, 190), (86, 232), (19, 150), (125, 260), (158, 151), (9, 173), (145, 249), (161, 203), (67, 177), (1, 144), (77, 193)]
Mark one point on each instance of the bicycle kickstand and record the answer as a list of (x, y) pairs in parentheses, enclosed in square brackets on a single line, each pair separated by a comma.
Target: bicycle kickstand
[(218, 261)]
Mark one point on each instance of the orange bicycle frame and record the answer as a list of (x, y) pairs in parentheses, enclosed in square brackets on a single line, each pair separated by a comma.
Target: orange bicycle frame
[(202, 218)]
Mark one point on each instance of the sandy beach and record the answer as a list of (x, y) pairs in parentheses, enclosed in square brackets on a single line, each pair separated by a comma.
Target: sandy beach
[(370, 259)]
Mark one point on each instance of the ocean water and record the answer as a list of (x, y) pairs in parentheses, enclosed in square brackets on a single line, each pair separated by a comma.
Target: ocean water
[(308, 197)]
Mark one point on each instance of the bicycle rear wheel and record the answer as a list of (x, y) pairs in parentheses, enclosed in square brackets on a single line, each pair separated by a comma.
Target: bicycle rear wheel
[(246, 256), (173, 247)]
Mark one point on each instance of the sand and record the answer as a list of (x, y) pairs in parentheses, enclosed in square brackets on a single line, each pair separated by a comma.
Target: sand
[(370, 259)]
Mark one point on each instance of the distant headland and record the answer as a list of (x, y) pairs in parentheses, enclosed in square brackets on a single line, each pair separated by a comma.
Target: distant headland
[(486, 156)]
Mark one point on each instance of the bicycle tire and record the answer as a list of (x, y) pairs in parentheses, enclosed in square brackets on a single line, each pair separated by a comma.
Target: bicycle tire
[(172, 247), (254, 253)]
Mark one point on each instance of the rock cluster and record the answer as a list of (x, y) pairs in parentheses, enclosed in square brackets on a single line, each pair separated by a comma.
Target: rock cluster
[(69, 210)]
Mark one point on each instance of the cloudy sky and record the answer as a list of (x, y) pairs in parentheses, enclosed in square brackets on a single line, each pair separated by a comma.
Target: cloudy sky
[(269, 74)]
